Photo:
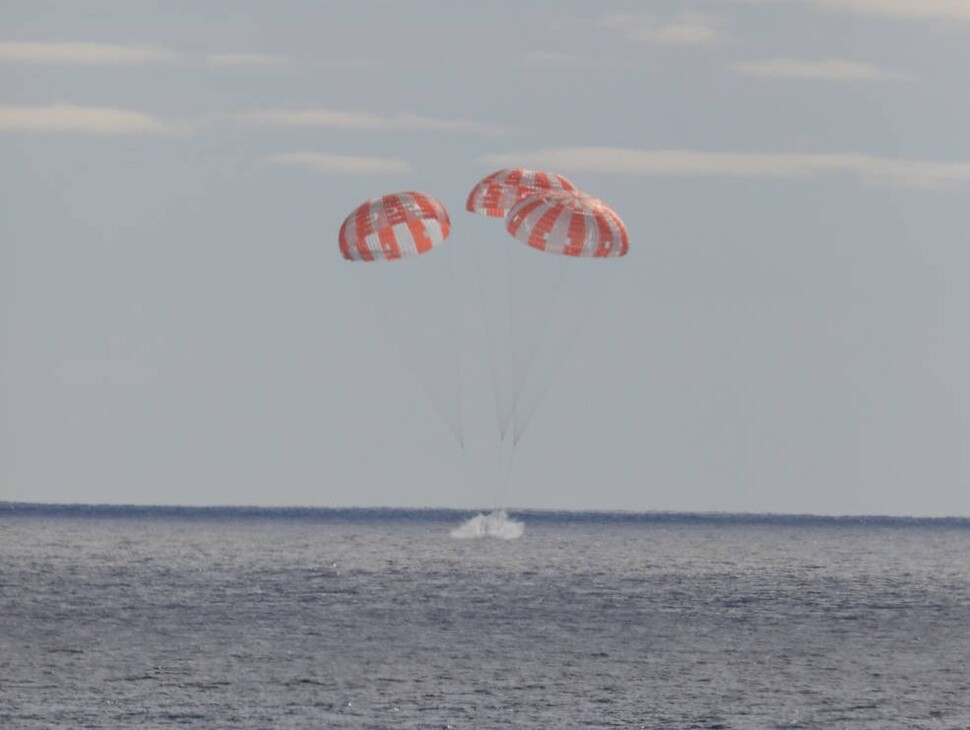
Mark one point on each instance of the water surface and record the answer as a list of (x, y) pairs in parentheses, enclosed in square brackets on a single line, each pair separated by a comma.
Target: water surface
[(157, 617)]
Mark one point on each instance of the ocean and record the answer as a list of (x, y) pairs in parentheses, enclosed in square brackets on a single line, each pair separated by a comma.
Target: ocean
[(123, 617)]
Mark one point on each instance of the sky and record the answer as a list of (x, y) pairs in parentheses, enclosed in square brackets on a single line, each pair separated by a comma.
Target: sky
[(790, 331)]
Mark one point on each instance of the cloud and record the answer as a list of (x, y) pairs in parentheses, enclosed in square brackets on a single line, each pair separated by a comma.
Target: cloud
[(362, 121), (126, 54), (346, 164), (556, 60), (900, 9), (904, 9), (685, 29), (550, 58), (87, 54), (223, 60), (869, 170), (68, 118), (829, 69)]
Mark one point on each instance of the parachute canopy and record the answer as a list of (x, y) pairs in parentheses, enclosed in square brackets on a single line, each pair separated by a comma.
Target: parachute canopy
[(394, 226), (495, 194), (568, 223)]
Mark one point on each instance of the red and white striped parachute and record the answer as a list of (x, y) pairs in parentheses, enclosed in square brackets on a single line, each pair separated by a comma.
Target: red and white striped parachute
[(568, 223), (495, 194), (394, 226)]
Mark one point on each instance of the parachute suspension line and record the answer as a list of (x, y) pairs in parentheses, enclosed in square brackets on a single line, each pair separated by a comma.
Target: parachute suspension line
[(456, 332), (418, 375), (533, 351), (509, 359), (571, 338), (489, 343), (505, 477), (473, 479)]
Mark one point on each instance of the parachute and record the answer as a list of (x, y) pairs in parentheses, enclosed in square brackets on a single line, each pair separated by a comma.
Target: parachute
[(568, 223), (394, 226), (520, 312), (536, 309), (413, 304), (495, 194)]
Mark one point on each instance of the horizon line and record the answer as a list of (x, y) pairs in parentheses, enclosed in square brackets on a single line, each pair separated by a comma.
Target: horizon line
[(10, 507)]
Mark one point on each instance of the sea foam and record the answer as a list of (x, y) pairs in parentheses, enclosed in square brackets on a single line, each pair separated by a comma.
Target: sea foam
[(495, 524)]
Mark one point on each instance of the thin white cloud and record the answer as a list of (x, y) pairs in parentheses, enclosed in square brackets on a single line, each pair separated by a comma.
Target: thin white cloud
[(900, 9), (550, 58), (685, 29), (903, 9), (129, 54), (223, 60), (868, 169), (362, 121), (72, 119), (828, 69), (86, 54), (344, 64), (342, 164)]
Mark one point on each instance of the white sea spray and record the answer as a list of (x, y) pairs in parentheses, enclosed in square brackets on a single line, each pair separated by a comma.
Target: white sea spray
[(495, 524)]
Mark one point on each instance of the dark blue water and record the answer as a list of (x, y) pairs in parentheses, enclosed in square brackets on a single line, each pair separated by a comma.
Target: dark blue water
[(157, 617)]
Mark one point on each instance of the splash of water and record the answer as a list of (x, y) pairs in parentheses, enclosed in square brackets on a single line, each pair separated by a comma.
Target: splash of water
[(495, 524)]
